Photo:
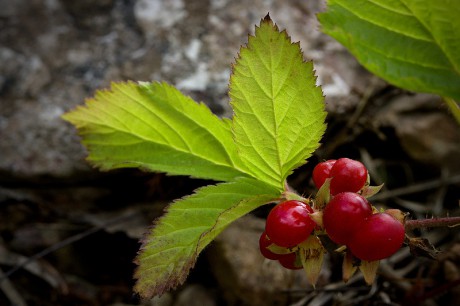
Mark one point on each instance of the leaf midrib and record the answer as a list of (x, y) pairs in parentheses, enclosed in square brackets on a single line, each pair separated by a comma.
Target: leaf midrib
[(142, 139), (276, 127), (123, 128), (438, 44)]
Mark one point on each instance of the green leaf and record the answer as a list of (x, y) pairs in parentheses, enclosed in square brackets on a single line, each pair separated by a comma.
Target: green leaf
[(154, 126), (413, 44), (171, 248), (278, 110)]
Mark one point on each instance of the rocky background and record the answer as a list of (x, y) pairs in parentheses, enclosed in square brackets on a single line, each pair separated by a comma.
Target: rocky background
[(69, 233)]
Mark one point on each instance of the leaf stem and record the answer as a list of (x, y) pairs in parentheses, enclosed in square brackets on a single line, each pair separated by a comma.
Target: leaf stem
[(433, 222), (454, 108)]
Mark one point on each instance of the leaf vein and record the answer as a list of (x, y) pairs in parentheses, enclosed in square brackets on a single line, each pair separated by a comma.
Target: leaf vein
[(370, 21), (160, 118)]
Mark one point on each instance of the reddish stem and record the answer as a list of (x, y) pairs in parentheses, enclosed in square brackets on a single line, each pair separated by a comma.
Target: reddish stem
[(433, 222)]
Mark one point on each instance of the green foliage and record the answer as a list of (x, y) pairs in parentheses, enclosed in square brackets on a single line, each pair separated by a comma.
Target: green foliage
[(413, 44), (155, 127), (278, 111), (172, 247), (278, 122)]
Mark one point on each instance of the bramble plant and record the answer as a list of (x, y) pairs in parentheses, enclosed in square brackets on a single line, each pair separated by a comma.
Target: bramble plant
[(278, 122)]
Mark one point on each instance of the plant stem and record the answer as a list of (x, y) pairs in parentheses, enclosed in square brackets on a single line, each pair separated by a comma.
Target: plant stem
[(453, 106), (433, 222)]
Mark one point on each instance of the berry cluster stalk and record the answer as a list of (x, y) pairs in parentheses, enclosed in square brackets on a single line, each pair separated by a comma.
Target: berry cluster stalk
[(433, 222)]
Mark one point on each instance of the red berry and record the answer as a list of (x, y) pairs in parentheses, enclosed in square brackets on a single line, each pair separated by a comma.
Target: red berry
[(344, 215), (289, 223), (321, 172), (264, 242), (347, 175), (378, 238), (289, 261)]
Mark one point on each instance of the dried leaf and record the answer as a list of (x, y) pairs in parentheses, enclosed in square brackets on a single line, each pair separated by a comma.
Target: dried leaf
[(421, 247), (369, 270), (311, 254), (349, 266)]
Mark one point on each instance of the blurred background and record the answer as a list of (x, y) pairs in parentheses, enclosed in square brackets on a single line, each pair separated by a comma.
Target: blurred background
[(69, 233)]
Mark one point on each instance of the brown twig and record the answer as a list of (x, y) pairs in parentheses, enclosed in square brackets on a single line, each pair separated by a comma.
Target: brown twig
[(433, 222), (64, 243), (11, 293)]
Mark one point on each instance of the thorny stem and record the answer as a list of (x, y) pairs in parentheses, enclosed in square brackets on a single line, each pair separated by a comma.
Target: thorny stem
[(408, 224), (433, 222)]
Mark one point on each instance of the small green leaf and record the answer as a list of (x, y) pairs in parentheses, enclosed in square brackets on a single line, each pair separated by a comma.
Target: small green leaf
[(154, 126), (323, 196), (413, 44), (369, 191), (170, 250), (278, 110), (281, 250)]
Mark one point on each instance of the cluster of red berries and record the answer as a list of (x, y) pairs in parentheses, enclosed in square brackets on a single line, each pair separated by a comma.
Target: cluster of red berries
[(347, 218), (288, 224)]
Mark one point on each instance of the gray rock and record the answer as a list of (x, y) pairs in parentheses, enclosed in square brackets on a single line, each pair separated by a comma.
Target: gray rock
[(57, 53), (195, 295), (28, 74), (49, 68)]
